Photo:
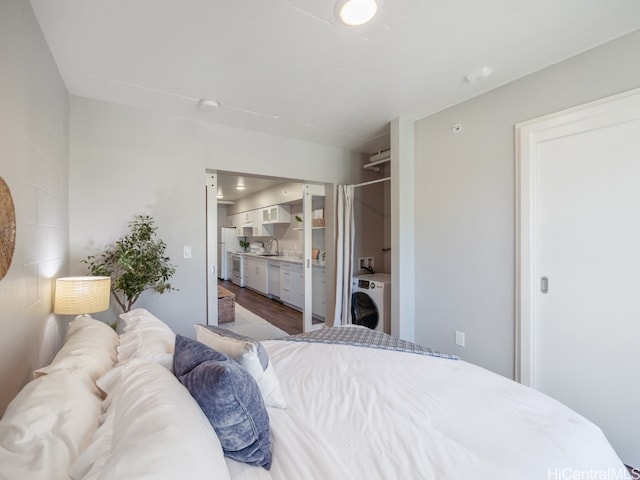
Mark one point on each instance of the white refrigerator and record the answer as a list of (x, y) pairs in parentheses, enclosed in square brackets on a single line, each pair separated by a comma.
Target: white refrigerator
[(227, 242)]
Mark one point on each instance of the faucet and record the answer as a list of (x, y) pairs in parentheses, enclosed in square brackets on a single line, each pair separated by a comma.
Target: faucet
[(271, 245)]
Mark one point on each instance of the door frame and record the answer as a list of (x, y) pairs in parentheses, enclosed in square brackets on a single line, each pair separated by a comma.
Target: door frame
[(615, 109)]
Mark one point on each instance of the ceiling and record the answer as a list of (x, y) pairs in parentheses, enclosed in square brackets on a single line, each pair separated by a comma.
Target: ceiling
[(288, 67), (227, 183)]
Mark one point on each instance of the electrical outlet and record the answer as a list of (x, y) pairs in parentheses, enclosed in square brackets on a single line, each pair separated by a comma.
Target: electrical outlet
[(365, 263), (460, 338)]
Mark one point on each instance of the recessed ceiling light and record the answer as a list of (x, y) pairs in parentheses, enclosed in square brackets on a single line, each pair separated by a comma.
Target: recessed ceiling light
[(239, 187), (356, 12), (208, 105)]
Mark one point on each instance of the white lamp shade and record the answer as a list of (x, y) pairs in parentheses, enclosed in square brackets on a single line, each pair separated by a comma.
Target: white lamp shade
[(78, 295)]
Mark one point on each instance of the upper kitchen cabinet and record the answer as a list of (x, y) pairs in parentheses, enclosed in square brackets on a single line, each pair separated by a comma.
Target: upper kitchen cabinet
[(255, 221), (260, 222), (276, 214)]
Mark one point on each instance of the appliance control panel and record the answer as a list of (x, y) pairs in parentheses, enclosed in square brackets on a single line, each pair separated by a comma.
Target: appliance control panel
[(366, 284)]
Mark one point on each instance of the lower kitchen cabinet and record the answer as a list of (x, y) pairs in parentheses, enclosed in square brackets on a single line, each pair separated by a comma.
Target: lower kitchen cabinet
[(292, 288), (255, 274), (292, 284), (285, 281), (274, 279), (319, 286)]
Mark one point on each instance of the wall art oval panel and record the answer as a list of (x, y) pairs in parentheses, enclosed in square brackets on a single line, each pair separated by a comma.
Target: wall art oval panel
[(7, 228)]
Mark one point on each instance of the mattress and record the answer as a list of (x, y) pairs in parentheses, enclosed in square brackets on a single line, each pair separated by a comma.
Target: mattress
[(364, 413)]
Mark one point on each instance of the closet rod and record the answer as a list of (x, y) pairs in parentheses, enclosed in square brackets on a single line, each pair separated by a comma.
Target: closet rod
[(372, 182)]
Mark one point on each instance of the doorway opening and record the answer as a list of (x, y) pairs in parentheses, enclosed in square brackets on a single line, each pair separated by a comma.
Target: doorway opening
[(264, 251)]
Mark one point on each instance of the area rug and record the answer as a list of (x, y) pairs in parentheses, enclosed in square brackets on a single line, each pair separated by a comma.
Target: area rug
[(249, 324)]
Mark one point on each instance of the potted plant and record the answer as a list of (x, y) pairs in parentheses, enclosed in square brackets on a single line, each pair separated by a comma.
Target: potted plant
[(244, 244), (135, 263)]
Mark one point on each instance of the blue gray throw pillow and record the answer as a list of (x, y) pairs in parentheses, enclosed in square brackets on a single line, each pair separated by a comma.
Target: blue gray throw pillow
[(229, 397)]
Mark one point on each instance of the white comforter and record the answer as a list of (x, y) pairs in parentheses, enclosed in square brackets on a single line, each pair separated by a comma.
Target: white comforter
[(372, 414)]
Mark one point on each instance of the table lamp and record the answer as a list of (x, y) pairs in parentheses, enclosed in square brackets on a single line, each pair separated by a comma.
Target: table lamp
[(81, 295)]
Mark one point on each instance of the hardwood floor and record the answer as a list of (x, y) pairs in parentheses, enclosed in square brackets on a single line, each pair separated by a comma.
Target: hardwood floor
[(272, 311)]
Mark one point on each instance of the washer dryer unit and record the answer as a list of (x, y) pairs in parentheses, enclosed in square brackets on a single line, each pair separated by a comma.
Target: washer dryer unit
[(371, 301)]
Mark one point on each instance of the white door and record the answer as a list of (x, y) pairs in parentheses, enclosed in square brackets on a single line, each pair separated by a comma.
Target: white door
[(313, 197), (580, 264), (211, 190)]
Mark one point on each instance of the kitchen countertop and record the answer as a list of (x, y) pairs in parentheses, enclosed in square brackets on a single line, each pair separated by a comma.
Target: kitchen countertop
[(280, 258)]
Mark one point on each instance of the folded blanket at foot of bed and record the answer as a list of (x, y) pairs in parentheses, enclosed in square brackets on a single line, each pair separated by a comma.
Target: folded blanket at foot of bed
[(365, 337)]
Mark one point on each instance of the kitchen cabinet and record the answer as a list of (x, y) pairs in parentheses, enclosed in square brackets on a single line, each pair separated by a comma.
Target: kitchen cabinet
[(255, 274), (292, 284), (274, 278), (237, 222), (276, 214), (255, 222), (292, 288), (259, 222), (319, 286), (246, 231), (243, 224)]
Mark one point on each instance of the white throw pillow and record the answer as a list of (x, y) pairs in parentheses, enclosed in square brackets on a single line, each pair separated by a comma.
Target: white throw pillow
[(88, 351), (251, 355), (46, 426), (153, 428)]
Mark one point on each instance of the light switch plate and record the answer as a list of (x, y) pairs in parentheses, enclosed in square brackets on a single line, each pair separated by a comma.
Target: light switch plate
[(460, 338)]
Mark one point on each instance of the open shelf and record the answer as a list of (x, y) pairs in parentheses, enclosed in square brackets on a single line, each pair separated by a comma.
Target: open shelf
[(373, 164)]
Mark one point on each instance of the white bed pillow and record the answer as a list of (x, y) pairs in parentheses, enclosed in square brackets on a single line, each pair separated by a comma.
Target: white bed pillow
[(153, 428), (88, 350), (147, 337), (154, 345), (141, 319), (248, 353), (46, 426)]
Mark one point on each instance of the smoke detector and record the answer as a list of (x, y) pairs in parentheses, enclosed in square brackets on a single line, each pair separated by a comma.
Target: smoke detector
[(478, 75), (208, 105)]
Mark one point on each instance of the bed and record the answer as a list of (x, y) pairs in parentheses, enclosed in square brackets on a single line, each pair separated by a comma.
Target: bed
[(140, 405)]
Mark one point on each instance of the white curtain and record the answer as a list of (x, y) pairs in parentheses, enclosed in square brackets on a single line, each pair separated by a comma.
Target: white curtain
[(344, 255)]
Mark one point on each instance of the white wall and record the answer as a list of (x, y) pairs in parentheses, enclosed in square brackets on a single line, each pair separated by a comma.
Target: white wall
[(370, 213), (126, 160), (34, 164), (465, 192), (403, 228)]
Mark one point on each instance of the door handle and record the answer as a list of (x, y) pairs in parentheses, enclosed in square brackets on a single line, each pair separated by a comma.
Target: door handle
[(544, 285)]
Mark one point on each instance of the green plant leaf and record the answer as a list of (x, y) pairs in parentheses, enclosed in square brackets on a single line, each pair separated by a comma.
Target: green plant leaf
[(136, 262)]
